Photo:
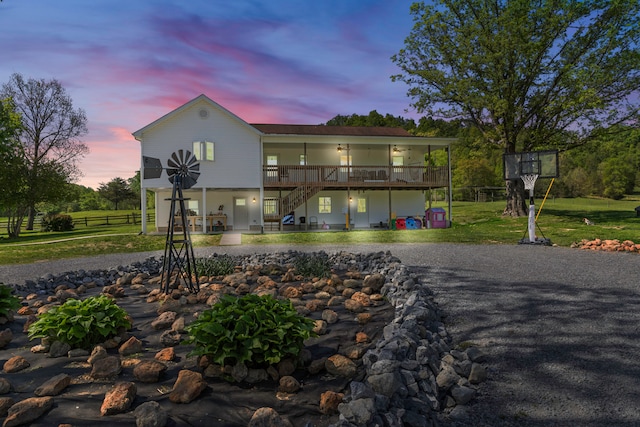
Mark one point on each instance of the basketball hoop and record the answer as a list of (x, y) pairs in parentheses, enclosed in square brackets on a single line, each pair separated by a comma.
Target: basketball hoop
[(529, 181), (529, 166)]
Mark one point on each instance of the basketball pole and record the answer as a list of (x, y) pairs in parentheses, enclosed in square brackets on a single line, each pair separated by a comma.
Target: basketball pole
[(532, 219)]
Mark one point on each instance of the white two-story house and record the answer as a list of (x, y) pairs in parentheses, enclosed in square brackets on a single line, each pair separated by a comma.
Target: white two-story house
[(275, 176)]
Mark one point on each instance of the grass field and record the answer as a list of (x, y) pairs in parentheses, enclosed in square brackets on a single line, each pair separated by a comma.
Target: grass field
[(474, 223)]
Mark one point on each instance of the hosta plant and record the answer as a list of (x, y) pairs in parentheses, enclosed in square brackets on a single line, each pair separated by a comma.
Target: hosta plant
[(8, 302), (82, 323), (255, 330)]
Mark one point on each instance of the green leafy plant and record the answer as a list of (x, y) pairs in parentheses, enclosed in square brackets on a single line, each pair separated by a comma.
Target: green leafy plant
[(57, 223), (314, 265), (254, 330), (215, 265), (82, 324), (8, 302)]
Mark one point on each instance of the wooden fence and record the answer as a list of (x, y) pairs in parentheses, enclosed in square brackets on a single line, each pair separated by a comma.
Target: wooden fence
[(133, 218)]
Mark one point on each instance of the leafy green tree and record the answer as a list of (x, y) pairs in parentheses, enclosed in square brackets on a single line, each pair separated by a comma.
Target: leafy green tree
[(49, 139), (92, 201), (12, 165), (373, 119), (116, 191), (134, 184), (618, 177), (527, 75)]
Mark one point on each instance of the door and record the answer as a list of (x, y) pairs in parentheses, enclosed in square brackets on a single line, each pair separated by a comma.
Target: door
[(240, 213), (361, 214)]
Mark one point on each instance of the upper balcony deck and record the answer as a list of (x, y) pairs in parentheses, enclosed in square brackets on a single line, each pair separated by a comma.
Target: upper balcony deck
[(284, 177)]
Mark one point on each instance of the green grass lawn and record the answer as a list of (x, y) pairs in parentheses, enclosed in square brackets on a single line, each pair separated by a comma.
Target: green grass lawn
[(475, 223)]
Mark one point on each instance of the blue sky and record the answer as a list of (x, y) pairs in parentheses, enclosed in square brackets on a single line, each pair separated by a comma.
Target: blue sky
[(126, 63)]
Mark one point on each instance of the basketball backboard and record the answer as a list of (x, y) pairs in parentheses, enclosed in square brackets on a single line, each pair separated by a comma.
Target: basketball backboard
[(541, 163)]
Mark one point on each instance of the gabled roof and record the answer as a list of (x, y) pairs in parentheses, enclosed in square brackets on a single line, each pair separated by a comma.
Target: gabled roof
[(320, 130), (138, 134)]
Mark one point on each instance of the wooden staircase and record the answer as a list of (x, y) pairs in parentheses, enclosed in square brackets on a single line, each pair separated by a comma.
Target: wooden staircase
[(296, 198)]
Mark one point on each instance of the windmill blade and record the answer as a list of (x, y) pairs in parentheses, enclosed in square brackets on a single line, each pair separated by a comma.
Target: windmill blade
[(183, 164)]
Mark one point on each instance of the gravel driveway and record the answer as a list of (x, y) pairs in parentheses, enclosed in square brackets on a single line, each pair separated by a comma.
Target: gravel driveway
[(560, 327)]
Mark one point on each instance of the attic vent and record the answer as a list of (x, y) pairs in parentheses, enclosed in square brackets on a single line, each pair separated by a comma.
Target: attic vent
[(203, 113)]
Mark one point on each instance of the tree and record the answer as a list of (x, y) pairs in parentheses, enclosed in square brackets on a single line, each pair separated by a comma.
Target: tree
[(49, 139), (12, 163), (528, 75), (373, 119), (117, 190)]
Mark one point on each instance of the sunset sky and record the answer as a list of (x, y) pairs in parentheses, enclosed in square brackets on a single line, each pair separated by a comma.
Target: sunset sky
[(128, 62)]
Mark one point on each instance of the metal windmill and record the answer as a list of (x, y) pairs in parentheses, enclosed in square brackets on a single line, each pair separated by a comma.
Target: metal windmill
[(179, 263)]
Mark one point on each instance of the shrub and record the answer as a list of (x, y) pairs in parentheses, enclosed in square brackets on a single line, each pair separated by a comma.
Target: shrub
[(82, 324), (254, 330), (57, 223), (8, 302), (215, 265), (315, 265)]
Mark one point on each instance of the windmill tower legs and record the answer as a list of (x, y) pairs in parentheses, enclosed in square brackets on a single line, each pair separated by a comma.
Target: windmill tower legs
[(179, 263)]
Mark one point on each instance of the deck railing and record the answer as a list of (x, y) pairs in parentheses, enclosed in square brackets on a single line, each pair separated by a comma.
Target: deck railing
[(327, 176)]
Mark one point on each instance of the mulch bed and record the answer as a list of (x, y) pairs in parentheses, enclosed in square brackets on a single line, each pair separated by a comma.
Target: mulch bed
[(221, 404)]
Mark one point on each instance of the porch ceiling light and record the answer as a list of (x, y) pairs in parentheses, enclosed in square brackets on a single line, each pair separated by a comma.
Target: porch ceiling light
[(339, 148), (395, 149)]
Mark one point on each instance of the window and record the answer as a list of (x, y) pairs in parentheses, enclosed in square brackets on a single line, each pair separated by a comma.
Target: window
[(362, 205), (270, 207), (241, 202), (192, 207), (303, 159), (324, 205), (203, 150)]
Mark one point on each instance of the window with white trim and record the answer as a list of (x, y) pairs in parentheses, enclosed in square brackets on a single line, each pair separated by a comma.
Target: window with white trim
[(203, 150), (270, 206), (324, 205)]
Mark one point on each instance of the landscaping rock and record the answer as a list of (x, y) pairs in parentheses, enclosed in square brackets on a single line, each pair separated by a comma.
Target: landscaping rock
[(54, 386), (164, 321), (98, 352), (268, 417), (59, 349), (107, 367), (27, 410), (288, 384), (118, 399), (149, 371), (132, 346), (187, 387), (341, 366), (150, 414), (166, 354), (15, 364), (329, 401)]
